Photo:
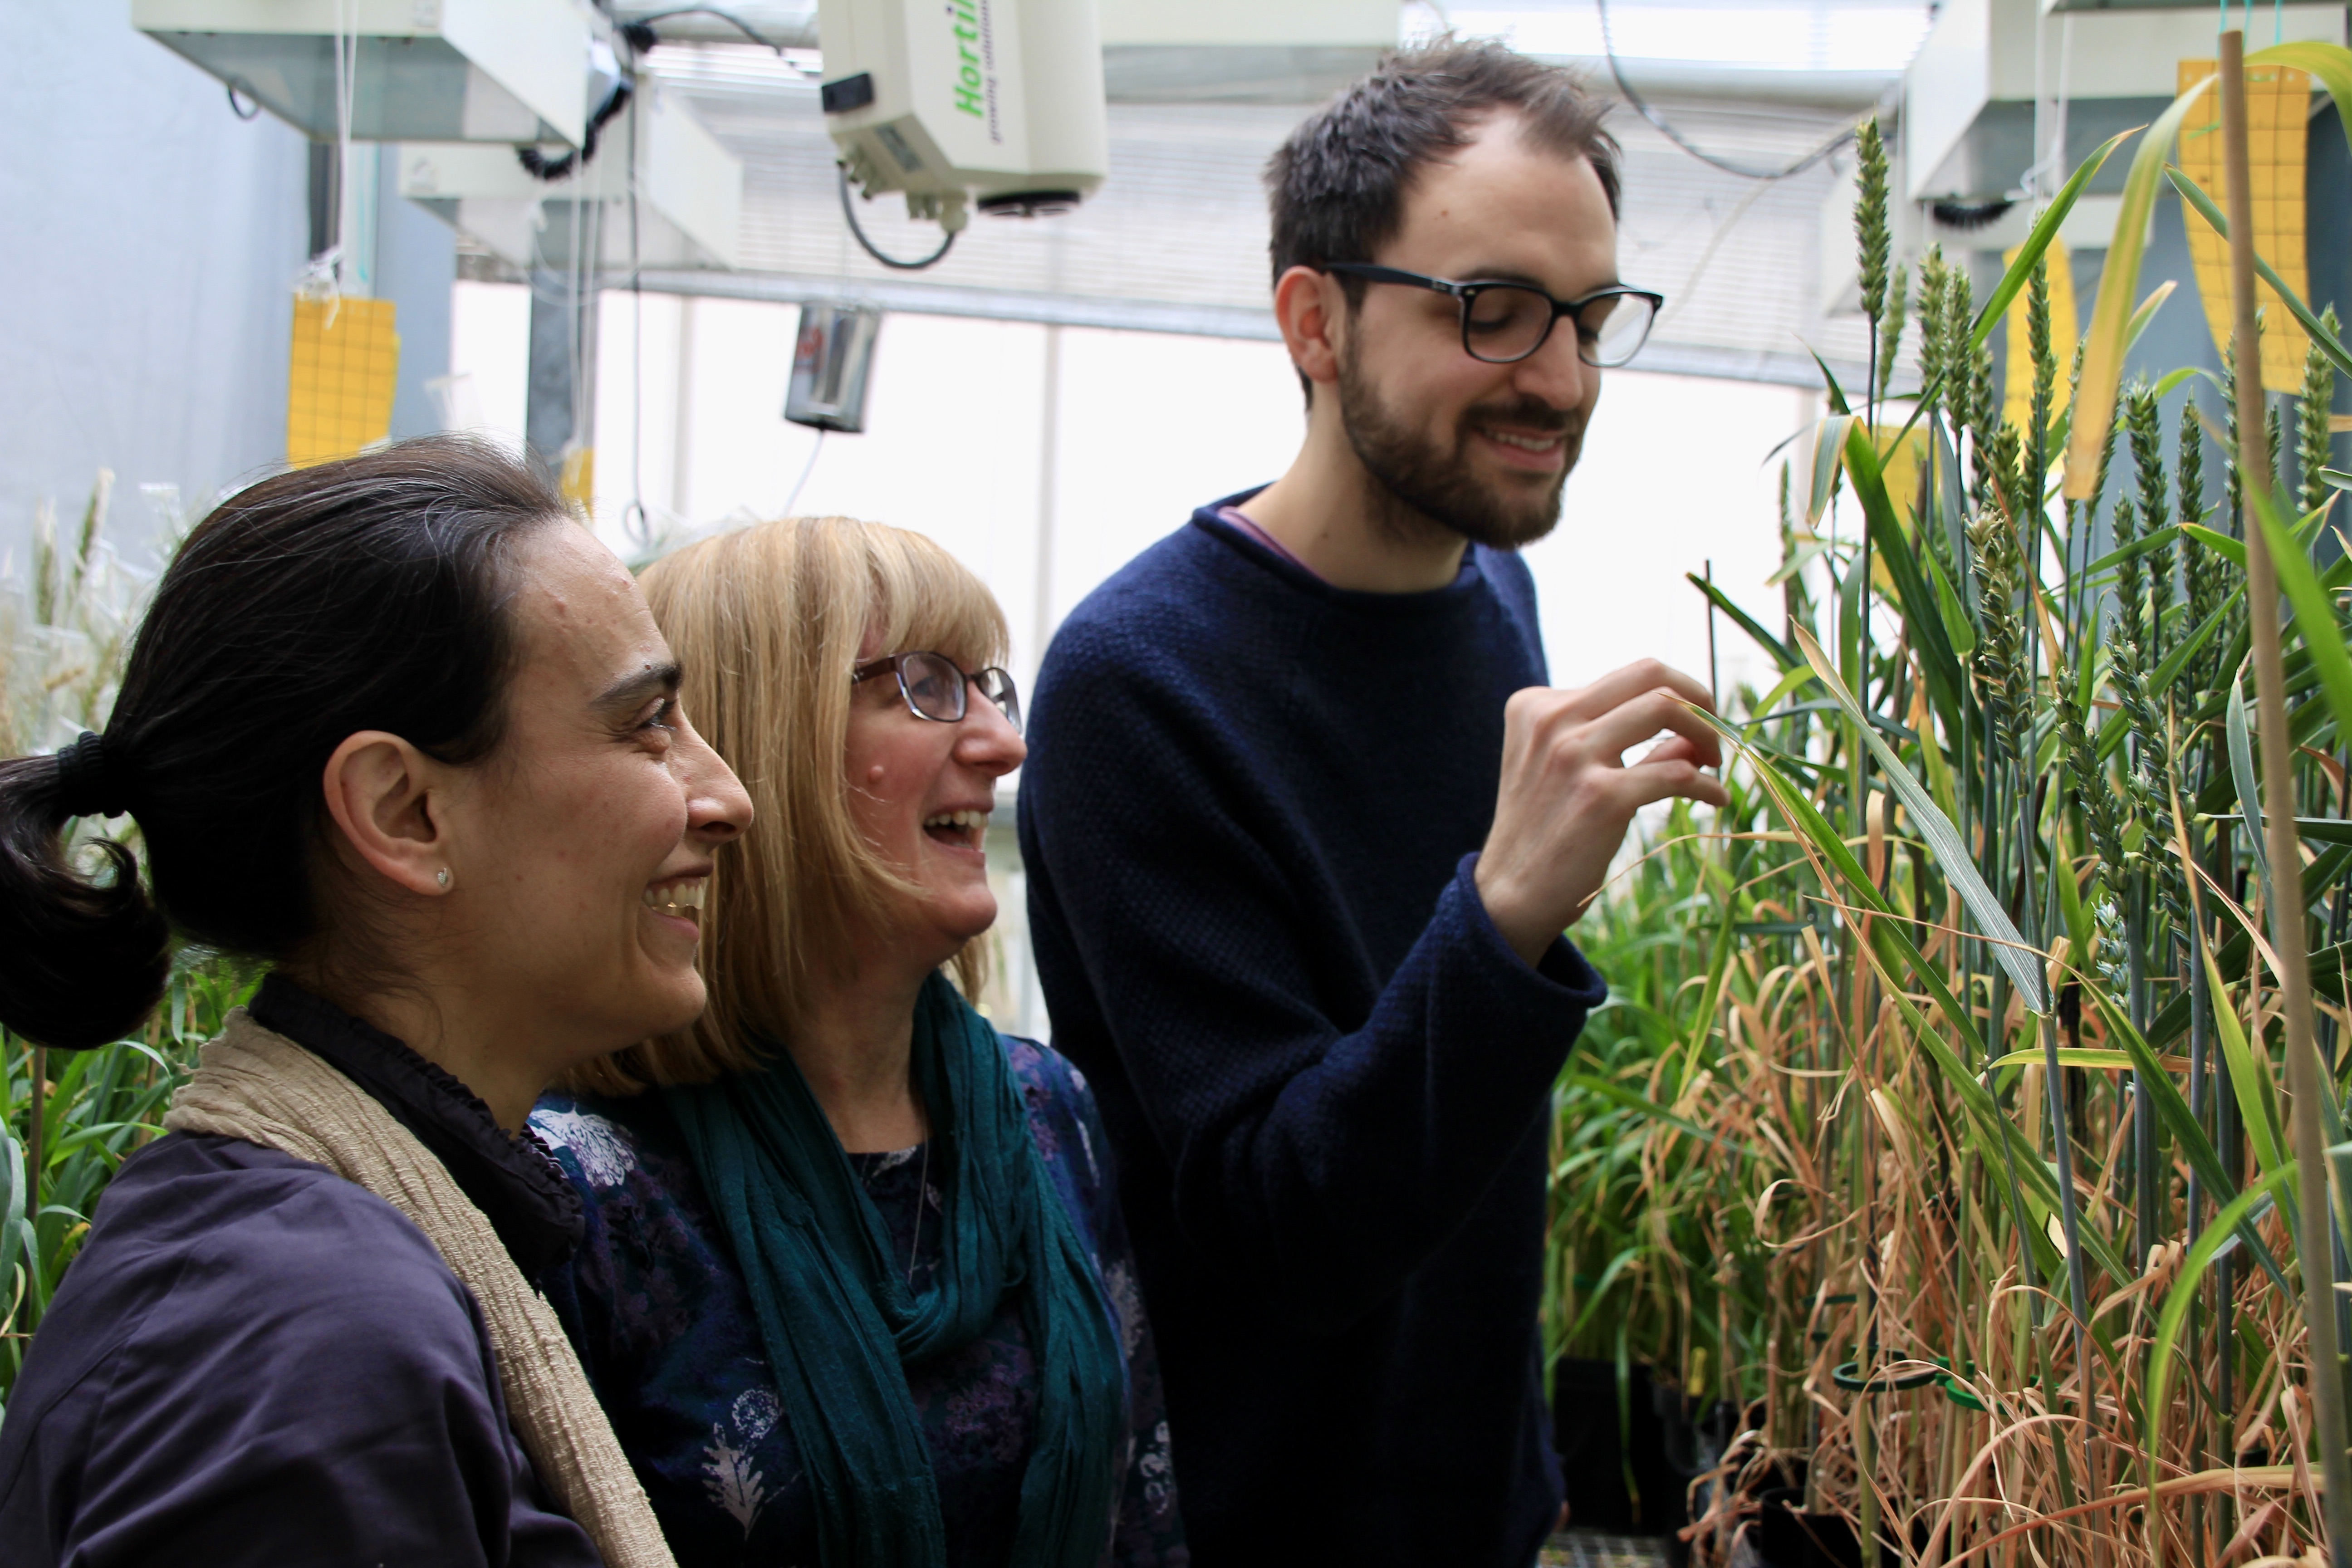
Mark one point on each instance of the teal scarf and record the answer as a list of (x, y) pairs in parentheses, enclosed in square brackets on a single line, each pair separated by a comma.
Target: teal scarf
[(840, 1324)]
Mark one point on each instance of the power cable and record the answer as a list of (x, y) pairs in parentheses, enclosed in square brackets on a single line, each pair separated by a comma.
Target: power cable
[(1706, 257), (540, 166), (347, 64), (634, 523), (806, 469), (728, 17), (639, 34), (850, 213), (1641, 106), (235, 84)]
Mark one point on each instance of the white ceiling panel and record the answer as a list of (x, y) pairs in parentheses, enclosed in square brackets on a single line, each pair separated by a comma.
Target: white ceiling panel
[(1178, 231)]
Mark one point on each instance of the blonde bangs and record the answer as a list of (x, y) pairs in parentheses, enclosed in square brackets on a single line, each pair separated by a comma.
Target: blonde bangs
[(767, 622), (924, 598)]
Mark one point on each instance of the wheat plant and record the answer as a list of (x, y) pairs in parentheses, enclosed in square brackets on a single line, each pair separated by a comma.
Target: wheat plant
[(1943, 1124)]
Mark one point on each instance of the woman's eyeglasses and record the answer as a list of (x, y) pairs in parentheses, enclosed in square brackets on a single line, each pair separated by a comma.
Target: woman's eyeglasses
[(936, 687), (1503, 323)]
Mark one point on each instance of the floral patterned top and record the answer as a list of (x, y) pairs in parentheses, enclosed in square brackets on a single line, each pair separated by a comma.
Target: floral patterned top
[(661, 1320)]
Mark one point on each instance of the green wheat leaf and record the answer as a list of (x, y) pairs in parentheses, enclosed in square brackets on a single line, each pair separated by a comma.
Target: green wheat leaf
[(1781, 652), (2233, 1217), (2241, 776), (1944, 841), (2250, 1081), (2315, 617)]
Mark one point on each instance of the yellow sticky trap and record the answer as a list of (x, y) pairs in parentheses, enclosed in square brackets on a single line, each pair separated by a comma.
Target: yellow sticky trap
[(2017, 381), (2278, 105), (338, 389), (578, 481)]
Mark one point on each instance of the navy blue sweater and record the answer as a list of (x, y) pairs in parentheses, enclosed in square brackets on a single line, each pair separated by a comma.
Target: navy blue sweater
[(254, 1362), (1249, 819)]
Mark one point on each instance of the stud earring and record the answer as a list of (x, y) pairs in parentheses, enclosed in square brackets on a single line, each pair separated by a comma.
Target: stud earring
[(442, 877)]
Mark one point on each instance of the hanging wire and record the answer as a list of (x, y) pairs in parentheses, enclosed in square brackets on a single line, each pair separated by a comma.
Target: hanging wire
[(565, 286), (850, 213), (1641, 106), (322, 278), (634, 524), (587, 320), (540, 166), (728, 17), (1706, 257), (806, 469), (2041, 177), (236, 84), (347, 51), (2066, 91)]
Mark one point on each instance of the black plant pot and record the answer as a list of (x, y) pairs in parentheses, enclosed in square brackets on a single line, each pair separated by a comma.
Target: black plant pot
[(1785, 1537), (1668, 1445)]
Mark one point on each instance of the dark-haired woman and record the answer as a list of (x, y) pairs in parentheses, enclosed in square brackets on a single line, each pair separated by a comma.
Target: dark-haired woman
[(399, 727)]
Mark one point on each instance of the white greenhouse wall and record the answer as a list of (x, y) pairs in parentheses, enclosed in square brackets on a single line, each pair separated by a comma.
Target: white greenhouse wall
[(146, 290), (154, 241), (1149, 427)]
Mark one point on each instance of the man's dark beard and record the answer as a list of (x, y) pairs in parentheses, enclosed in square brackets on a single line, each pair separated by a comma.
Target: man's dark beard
[(1427, 484)]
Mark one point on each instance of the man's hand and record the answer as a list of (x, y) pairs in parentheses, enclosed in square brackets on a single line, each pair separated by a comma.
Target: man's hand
[(1568, 796)]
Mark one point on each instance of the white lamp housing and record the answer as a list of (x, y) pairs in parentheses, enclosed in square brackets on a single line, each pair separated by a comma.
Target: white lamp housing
[(1968, 123), (689, 194), (443, 70), (997, 103)]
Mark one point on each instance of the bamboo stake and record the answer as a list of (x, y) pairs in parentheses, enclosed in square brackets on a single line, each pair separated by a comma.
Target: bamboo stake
[(2315, 1241)]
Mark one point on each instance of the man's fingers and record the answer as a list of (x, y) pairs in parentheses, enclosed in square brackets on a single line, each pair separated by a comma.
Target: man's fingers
[(1650, 783), (1621, 686), (1625, 727), (1674, 749)]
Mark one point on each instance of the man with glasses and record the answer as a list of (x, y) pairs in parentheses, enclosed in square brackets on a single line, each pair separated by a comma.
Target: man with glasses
[(1303, 823)]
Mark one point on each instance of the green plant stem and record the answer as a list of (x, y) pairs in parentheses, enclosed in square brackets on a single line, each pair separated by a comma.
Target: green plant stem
[(2232, 1146), (2199, 1034), (1996, 1040), (2316, 1242), (2143, 1110), (36, 1062), (2078, 1289)]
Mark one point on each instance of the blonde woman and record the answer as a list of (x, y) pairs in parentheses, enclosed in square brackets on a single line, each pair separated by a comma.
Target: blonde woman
[(855, 1288)]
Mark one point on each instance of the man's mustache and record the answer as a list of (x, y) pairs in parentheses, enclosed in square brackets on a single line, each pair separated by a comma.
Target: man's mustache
[(1527, 413)]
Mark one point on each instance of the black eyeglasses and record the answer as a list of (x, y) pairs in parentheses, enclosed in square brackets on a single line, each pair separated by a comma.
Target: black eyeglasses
[(935, 685), (1503, 323)]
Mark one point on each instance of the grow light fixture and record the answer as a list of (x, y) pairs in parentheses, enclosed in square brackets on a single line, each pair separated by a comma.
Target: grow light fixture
[(689, 194), (1968, 139), (997, 103), (505, 71)]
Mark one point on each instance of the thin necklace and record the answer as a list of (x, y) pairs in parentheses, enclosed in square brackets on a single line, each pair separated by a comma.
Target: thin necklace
[(922, 1197)]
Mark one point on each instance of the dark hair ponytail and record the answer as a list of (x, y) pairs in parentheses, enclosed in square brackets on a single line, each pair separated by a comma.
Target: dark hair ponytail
[(84, 961), (364, 594)]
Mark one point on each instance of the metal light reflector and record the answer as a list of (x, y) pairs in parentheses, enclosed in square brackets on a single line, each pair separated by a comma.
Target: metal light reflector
[(426, 70), (689, 194)]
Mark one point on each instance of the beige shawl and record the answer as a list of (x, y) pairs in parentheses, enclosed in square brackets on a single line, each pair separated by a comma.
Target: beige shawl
[(264, 1088)]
